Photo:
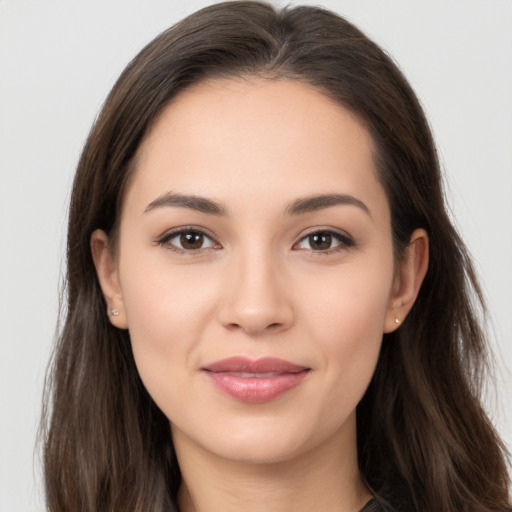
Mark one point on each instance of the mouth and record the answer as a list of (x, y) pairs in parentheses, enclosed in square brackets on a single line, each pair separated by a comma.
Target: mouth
[(255, 381)]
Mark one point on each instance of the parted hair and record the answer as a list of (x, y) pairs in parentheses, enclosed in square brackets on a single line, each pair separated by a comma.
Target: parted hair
[(107, 446)]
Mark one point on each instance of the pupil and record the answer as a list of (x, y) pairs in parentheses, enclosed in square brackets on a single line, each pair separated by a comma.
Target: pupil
[(320, 242), (191, 240)]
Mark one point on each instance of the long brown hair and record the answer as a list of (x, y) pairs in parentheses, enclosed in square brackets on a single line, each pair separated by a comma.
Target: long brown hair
[(107, 446)]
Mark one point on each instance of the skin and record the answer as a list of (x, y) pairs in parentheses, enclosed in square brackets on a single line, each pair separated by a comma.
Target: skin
[(259, 287)]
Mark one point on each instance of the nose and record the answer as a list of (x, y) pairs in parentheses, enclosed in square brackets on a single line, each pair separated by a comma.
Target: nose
[(256, 298)]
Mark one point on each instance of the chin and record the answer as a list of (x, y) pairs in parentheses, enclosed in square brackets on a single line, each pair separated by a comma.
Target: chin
[(268, 440), (260, 451)]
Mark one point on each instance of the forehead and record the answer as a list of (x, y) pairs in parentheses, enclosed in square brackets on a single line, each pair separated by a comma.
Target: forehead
[(258, 138)]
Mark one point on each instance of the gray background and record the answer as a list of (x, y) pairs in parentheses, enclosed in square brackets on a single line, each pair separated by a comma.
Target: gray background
[(58, 59)]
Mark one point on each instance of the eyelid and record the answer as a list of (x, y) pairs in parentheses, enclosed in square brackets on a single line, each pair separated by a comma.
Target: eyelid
[(346, 240), (174, 232)]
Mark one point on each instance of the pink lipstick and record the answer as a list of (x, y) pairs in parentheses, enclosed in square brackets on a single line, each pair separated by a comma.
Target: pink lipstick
[(255, 381)]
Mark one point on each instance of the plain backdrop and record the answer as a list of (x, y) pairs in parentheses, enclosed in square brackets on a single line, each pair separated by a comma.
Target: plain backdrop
[(58, 60)]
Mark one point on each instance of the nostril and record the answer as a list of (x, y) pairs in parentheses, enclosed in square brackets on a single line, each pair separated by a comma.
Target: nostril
[(234, 325)]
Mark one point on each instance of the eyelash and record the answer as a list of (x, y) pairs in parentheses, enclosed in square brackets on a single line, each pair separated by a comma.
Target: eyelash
[(164, 241), (344, 241)]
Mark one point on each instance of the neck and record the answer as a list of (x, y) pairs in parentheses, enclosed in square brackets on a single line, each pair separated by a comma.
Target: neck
[(326, 478)]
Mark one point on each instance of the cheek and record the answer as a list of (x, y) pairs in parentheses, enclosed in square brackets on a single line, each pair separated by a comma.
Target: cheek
[(347, 319), (161, 298), (351, 303), (167, 311)]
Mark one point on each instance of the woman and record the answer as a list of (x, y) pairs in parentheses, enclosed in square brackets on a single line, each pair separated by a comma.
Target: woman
[(268, 307)]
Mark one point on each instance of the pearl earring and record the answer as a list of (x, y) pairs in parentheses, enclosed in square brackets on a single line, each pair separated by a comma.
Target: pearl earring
[(112, 312)]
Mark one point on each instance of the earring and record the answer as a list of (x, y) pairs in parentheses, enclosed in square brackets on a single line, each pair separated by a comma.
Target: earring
[(112, 312), (397, 321)]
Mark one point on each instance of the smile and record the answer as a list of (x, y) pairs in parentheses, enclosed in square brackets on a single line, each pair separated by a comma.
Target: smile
[(256, 381)]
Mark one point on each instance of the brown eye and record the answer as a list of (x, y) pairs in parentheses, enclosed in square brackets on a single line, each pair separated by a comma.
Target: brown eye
[(188, 240), (324, 241), (191, 240), (320, 241)]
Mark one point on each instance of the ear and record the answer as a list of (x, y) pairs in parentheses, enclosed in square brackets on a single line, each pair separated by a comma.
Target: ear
[(408, 279), (108, 276)]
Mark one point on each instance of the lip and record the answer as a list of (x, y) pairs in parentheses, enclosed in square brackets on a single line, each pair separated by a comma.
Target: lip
[(255, 381)]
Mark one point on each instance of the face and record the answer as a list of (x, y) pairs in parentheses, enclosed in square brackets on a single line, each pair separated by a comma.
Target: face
[(255, 268)]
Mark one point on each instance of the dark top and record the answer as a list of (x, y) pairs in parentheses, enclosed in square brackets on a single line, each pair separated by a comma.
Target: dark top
[(392, 497), (373, 506)]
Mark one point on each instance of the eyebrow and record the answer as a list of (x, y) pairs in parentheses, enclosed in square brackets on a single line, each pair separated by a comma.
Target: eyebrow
[(297, 207), (319, 202), (200, 204)]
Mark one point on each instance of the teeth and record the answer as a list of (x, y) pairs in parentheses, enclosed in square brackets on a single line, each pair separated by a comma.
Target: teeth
[(247, 375)]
